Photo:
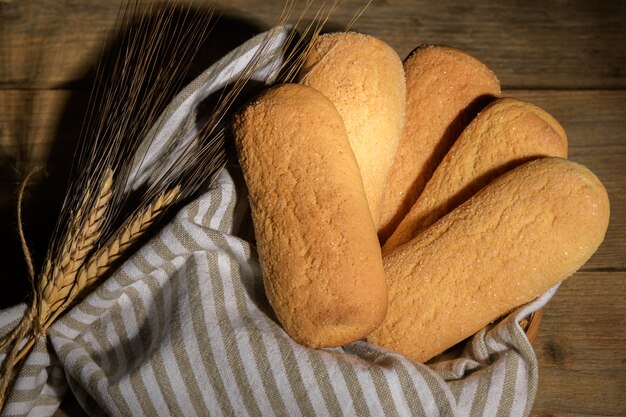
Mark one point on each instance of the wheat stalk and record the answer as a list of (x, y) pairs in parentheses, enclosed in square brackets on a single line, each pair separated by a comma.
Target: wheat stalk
[(56, 277), (77, 271)]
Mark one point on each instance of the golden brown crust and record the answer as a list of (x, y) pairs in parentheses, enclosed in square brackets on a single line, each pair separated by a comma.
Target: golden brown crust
[(526, 231), (446, 87), (317, 244), (364, 78), (507, 133)]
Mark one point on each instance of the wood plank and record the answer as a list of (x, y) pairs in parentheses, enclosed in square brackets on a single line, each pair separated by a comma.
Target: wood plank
[(35, 127), (549, 44), (595, 122), (576, 333), (580, 348), (581, 394)]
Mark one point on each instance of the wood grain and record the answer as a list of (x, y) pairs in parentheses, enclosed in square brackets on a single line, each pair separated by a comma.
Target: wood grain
[(577, 334), (548, 44), (567, 56), (580, 348)]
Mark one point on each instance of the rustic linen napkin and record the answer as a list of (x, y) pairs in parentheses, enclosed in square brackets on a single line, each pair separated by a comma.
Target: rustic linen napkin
[(183, 327)]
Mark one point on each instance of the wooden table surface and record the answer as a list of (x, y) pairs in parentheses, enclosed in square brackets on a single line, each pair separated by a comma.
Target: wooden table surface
[(567, 56)]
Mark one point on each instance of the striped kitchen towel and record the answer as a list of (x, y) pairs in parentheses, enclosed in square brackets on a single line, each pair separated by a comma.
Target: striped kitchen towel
[(183, 327)]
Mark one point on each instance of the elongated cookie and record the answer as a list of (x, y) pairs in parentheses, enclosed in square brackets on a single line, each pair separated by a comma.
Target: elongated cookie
[(525, 232), (364, 79), (445, 89), (316, 240), (505, 134)]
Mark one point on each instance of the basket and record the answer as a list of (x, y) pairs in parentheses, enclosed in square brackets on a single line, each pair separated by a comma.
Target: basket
[(531, 325)]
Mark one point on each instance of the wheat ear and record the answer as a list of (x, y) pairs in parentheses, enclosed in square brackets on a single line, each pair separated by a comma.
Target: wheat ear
[(104, 258), (58, 277), (98, 264)]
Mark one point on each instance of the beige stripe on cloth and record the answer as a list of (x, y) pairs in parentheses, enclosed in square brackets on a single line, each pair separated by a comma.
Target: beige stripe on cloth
[(183, 327)]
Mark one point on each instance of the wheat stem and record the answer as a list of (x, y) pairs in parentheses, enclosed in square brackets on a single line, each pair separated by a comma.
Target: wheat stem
[(15, 355), (32, 338), (20, 225), (10, 337)]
